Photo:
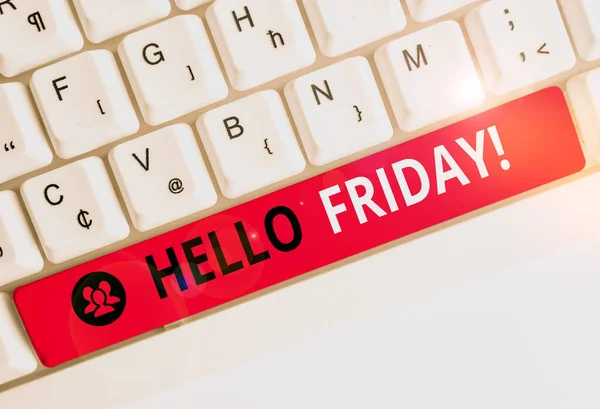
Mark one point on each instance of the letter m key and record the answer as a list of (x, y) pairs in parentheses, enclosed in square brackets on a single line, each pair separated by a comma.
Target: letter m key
[(410, 60)]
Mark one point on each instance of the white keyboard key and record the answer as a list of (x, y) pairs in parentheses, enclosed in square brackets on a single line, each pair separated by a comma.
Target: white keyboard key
[(16, 357), (338, 110), (172, 69), (429, 76), (84, 103), (190, 4), (35, 32), (519, 43), (584, 94), (162, 177), (583, 18), (341, 26), (74, 210), (23, 146), (19, 255), (259, 40), (104, 19), (250, 143), (425, 10)]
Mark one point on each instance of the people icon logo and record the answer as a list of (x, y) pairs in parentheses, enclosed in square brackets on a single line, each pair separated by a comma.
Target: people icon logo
[(98, 299)]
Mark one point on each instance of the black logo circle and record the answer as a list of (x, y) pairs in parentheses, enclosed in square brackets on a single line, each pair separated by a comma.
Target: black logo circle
[(99, 299)]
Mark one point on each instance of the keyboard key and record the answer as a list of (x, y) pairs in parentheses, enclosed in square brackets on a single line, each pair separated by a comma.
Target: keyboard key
[(429, 76), (19, 255), (338, 111), (583, 18), (74, 210), (162, 177), (346, 211), (84, 103), (35, 32), (259, 40), (23, 146), (425, 10), (16, 356), (341, 26), (584, 94), (104, 19), (519, 43), (190, 4), (250, 143), (172, 69)]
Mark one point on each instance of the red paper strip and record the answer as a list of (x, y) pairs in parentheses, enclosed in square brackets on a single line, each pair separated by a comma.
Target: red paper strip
[(495, 155)]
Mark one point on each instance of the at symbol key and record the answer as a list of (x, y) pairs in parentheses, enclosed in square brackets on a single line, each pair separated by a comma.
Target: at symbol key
[(176, 186), (162, 177)]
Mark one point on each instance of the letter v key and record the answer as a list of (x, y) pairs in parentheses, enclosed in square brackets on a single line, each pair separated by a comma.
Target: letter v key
[(146, 165)]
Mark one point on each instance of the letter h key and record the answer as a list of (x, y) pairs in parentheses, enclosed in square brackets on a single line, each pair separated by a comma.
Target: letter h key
[(259, 40)]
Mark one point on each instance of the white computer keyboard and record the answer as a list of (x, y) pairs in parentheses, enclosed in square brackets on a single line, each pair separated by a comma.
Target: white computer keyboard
[(121, 120)]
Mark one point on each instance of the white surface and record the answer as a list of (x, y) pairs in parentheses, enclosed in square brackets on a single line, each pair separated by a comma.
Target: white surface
[(341, 26), (241, 162), (22, 130), (83, 186), (95, 108), (19, 255), (251, 56), (327, 119), (16, 356), (497, 312), (499, 45), (104, 19), (164, 87), (147, 181), (584, 93), (190, 4), (583, 18), (24, 46), (424, 10), (429, 75)]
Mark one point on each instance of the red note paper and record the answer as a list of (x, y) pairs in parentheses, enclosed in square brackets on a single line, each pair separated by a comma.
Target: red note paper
[(477, 162)]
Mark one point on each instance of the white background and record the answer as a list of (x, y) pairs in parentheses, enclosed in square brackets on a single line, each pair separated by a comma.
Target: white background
[(502, 311)]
